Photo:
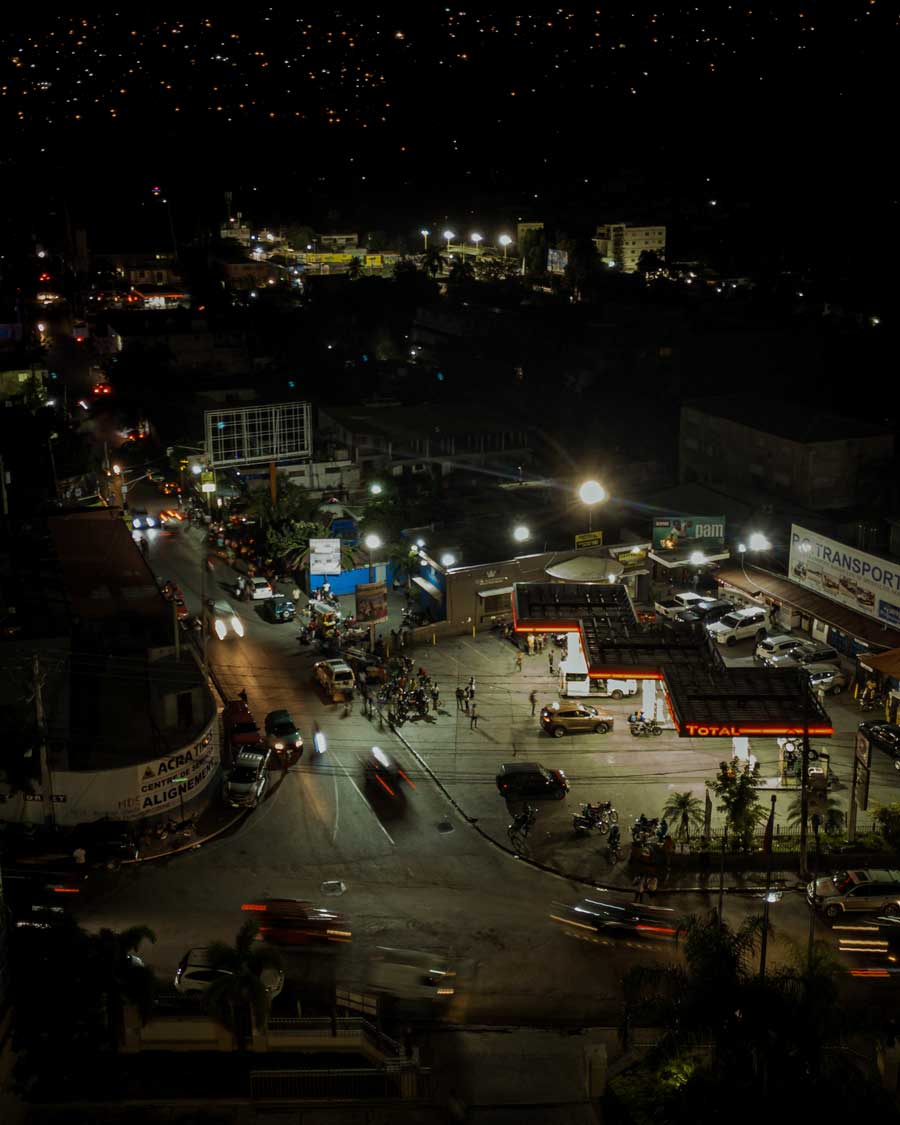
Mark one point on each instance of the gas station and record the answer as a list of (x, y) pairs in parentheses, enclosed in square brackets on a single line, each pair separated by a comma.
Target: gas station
[(684, 683)]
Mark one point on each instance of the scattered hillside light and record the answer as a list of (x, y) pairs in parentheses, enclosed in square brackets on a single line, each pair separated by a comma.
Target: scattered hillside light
[(376, 489), (799, 294), (42, 327), (758, 542), (697, 558), (873, 320), (521, 533), (51, 402), (253, 293), (447, 559), (713, 202), (372, 541)]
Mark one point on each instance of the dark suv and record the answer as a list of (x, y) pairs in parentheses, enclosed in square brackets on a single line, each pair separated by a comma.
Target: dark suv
[(531, 781)]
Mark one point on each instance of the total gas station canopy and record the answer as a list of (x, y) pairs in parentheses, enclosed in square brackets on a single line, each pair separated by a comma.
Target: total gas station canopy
[(707, 699)]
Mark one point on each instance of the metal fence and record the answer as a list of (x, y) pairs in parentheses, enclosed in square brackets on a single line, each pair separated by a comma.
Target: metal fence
[(338, 1084), (340, 1028)]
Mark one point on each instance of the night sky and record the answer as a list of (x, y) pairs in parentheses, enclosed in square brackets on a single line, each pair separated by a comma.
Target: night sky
[(780, 109)]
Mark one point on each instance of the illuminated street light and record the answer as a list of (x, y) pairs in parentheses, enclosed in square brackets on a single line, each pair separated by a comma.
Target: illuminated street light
[(117, 469), (376, 489), (758, 542), (448, 234), (591, 493), (447, 559), (420, 543), (425, 233), (505, 240), (196, 469), (521, 533), (373, 542), (697, 558), (476, 238)]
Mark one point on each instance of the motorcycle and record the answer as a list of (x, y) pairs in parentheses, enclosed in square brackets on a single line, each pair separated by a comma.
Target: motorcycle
[(644, 829), (643, 727), (613, 849), (590, 819)]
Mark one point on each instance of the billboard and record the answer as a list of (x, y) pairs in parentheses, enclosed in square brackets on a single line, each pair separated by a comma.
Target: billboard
[(670, 531), (252, 435), (324, 556), (852, 578), (371, 603)]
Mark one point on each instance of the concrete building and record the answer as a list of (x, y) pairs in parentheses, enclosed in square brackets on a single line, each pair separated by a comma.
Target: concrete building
[(405, 440), (820, 461), (623, 244)]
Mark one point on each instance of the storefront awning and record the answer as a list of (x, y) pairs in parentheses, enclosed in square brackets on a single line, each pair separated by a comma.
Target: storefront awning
[(888, 663), (760, 584), (495, 591), (429, 587), (674, 559), (586, 568)]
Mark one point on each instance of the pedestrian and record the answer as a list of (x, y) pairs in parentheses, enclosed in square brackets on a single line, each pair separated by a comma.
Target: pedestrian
[(640, 885), (435, 696), (242, 696), (79, 855), (518, 662), (473, 718), (295, 594), (402, 640), (540, 642), (145, 547), (460, 696), (651, 883), (471, 687), (530, 640), (550, 662), (466, 700), (532, 699)]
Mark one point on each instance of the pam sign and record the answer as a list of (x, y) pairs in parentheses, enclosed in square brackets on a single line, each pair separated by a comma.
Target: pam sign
[(670, 531), (863, 582)]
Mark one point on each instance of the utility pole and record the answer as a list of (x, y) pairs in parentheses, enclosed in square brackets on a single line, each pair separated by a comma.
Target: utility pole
[(804, 787), (40, 722)]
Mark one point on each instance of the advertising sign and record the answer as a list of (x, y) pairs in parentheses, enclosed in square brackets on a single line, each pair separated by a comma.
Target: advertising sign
[(863, 582), (167, 781), (324, 556), (371, 602), (669, 532), (589, 539)]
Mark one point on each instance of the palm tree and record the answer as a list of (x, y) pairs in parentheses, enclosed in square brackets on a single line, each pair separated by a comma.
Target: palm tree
[(685, 811), (238, 998), (121, 976), (433, 261), (833, 816), (354, 268)]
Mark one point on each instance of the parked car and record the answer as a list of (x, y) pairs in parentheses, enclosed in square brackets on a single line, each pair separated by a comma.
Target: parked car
[(886, 736), (248, 779), (707, 610), (810, 652), (752, 621), (677, 604), (196, 974), (776, 646), (279, 609), (241, 730), (860, 891), (259, 588), (571, 718), (141, 519), (282, 733), (828, 677), (580, 684), (530, 781), (289, 921)]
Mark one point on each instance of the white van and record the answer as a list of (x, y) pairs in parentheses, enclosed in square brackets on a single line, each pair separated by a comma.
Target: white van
[(411, 974), (573, 684), (742, 623)]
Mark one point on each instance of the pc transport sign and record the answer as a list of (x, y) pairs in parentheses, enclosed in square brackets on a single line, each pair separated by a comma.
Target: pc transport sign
[(866, 583)]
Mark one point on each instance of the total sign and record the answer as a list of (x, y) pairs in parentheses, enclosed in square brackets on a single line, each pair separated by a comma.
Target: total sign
[(863, 582)]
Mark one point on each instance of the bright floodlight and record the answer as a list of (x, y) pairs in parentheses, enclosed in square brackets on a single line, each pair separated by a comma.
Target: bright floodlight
[(476, 238), (196, 469), (521, 533), (504, 240), (373, 542), (697, 558), (742, 547), (376, 489), (424, 233), (448, 234), (758, 542), (117, 469), (448, 559), (592, 492)]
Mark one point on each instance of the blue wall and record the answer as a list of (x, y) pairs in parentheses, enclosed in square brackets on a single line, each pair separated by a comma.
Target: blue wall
[(348, 580)]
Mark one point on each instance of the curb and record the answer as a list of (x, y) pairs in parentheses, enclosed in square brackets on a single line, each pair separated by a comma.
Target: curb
[(190, 845), (546, 868)]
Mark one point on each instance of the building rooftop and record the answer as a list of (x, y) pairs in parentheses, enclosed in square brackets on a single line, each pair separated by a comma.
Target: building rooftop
[(402, 423), (791, 422)]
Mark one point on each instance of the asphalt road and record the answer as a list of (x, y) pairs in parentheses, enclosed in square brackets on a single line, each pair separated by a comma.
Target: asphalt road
[(416, 874)]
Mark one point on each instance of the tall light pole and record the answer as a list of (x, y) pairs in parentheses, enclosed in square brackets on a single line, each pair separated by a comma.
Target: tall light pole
[(425, 233), (590, 494), (476, 238), (372, 543), (505, 240), (449, 235)]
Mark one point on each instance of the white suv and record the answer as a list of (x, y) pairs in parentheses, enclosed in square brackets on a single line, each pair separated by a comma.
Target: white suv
[(776, 646), (750, 622)]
